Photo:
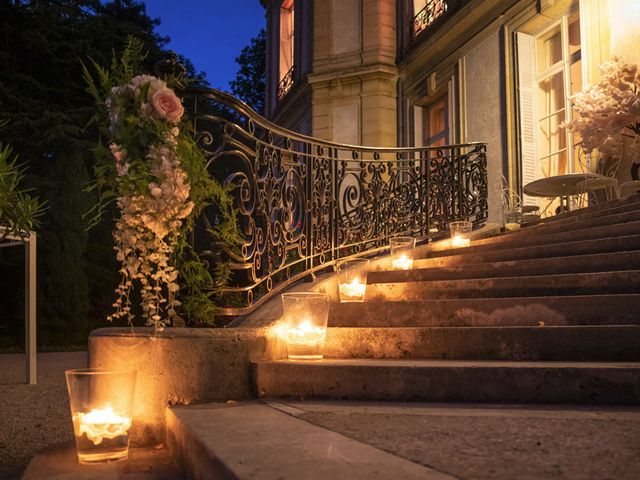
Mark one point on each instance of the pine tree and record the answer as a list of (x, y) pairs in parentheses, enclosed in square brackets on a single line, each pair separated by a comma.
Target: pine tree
[(249, 84)]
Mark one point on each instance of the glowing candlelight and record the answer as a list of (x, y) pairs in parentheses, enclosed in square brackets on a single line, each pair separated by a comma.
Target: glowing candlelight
[(510, 227), (306, 334), (460, 233), (402, 263), (305, 316), (305, 342), (460, 241), (100, 424), (353, 291), (101, 404)]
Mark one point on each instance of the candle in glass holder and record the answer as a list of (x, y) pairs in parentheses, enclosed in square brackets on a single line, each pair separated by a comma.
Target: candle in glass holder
[(402, 250), (460, 233), (513, 219), (101, 411), (352, 280), (306, 316)]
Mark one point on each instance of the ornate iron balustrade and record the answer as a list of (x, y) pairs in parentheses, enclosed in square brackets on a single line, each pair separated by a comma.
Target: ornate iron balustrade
[(433, 10), (305, 203), (285, 84)]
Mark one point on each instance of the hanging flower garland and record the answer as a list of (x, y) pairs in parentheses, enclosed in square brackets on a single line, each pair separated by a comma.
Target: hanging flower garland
[(147, 232), (157, 175)]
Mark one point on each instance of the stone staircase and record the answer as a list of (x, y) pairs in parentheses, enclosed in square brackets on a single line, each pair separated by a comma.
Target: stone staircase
[(550, 313)]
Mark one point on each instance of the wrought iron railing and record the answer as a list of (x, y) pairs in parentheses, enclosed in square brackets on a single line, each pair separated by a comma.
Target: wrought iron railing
[(433, 10), (285, 84), (305, 203)]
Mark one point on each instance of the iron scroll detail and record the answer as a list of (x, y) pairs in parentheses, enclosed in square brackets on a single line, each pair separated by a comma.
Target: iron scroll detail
[(305, 203)]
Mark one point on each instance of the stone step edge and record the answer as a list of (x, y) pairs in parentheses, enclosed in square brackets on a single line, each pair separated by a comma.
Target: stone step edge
[(510, 249), (520, 278), (506, 264), (452, 381), (542, 239), (518, 343), (281, 447)]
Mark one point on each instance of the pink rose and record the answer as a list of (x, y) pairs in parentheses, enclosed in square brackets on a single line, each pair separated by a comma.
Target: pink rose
[(168, 105)]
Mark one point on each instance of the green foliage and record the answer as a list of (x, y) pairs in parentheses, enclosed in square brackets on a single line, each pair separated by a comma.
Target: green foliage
[(137, 135), (19, 211), (250, 81)]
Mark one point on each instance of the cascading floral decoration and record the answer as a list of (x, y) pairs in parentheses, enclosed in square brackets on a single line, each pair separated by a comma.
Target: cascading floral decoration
[(157, 175), (610, 111)]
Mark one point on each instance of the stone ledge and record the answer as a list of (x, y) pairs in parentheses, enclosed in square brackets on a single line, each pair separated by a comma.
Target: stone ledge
[(178, 366)]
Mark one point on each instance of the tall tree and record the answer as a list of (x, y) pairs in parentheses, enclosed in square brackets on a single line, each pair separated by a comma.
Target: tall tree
[(250, 81), (46, 109)]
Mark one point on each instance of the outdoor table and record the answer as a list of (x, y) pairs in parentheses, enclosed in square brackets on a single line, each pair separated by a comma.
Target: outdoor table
[(564, 186)]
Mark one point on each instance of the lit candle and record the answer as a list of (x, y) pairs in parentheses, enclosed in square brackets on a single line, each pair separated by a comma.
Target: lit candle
[(460, 241), (509, 227), (402, 263), (306, 334), (100, 424), (354, 290)]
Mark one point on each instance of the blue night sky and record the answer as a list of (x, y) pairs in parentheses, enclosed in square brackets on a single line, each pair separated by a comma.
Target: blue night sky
[(211, 33)]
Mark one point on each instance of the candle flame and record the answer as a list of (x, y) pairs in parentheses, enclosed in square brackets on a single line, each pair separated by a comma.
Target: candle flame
[(402, 263), (354, 289), (306, 334), (460, 241), (100, 424)]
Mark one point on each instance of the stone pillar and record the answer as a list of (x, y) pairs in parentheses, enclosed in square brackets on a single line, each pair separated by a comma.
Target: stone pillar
[(354, 79)]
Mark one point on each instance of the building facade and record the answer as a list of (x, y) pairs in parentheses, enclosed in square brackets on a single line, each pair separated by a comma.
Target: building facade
[(434, 72)]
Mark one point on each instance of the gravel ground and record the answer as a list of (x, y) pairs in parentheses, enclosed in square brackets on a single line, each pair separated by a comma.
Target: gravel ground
[(33, 417), (485, 443)]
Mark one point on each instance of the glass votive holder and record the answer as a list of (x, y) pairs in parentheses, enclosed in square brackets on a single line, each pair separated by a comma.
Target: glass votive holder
[(305, 315), (352, 280), (101, 404), (513, 219), (460, 233), (402, 251)]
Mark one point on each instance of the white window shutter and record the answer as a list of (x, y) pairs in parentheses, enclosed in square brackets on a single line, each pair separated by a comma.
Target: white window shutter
[(527, 100)]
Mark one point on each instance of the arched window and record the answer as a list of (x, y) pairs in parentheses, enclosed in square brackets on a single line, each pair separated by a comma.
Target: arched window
[(287, 35)]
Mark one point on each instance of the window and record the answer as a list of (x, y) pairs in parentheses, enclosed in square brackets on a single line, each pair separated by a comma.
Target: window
[(436, 123), (549, 72), (425, 12), (287, 36)]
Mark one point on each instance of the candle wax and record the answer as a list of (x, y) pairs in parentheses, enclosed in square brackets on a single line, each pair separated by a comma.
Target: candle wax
[(100, 424), (402, 263), (460, 241)]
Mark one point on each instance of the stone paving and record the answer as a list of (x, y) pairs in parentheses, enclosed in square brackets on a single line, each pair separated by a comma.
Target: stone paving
[(498, 442), (33, 417)]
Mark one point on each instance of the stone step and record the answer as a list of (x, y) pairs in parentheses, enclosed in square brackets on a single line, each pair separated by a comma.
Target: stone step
[(598, 283), (559, 249), (486, 312), (619, 214), (572, 343), (599, 262), (599, 209), (539, 239), (452, 380), (253, 441)]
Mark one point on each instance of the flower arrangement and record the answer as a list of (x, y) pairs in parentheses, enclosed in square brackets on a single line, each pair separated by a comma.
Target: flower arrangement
[(610, 111), (155, 172)]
